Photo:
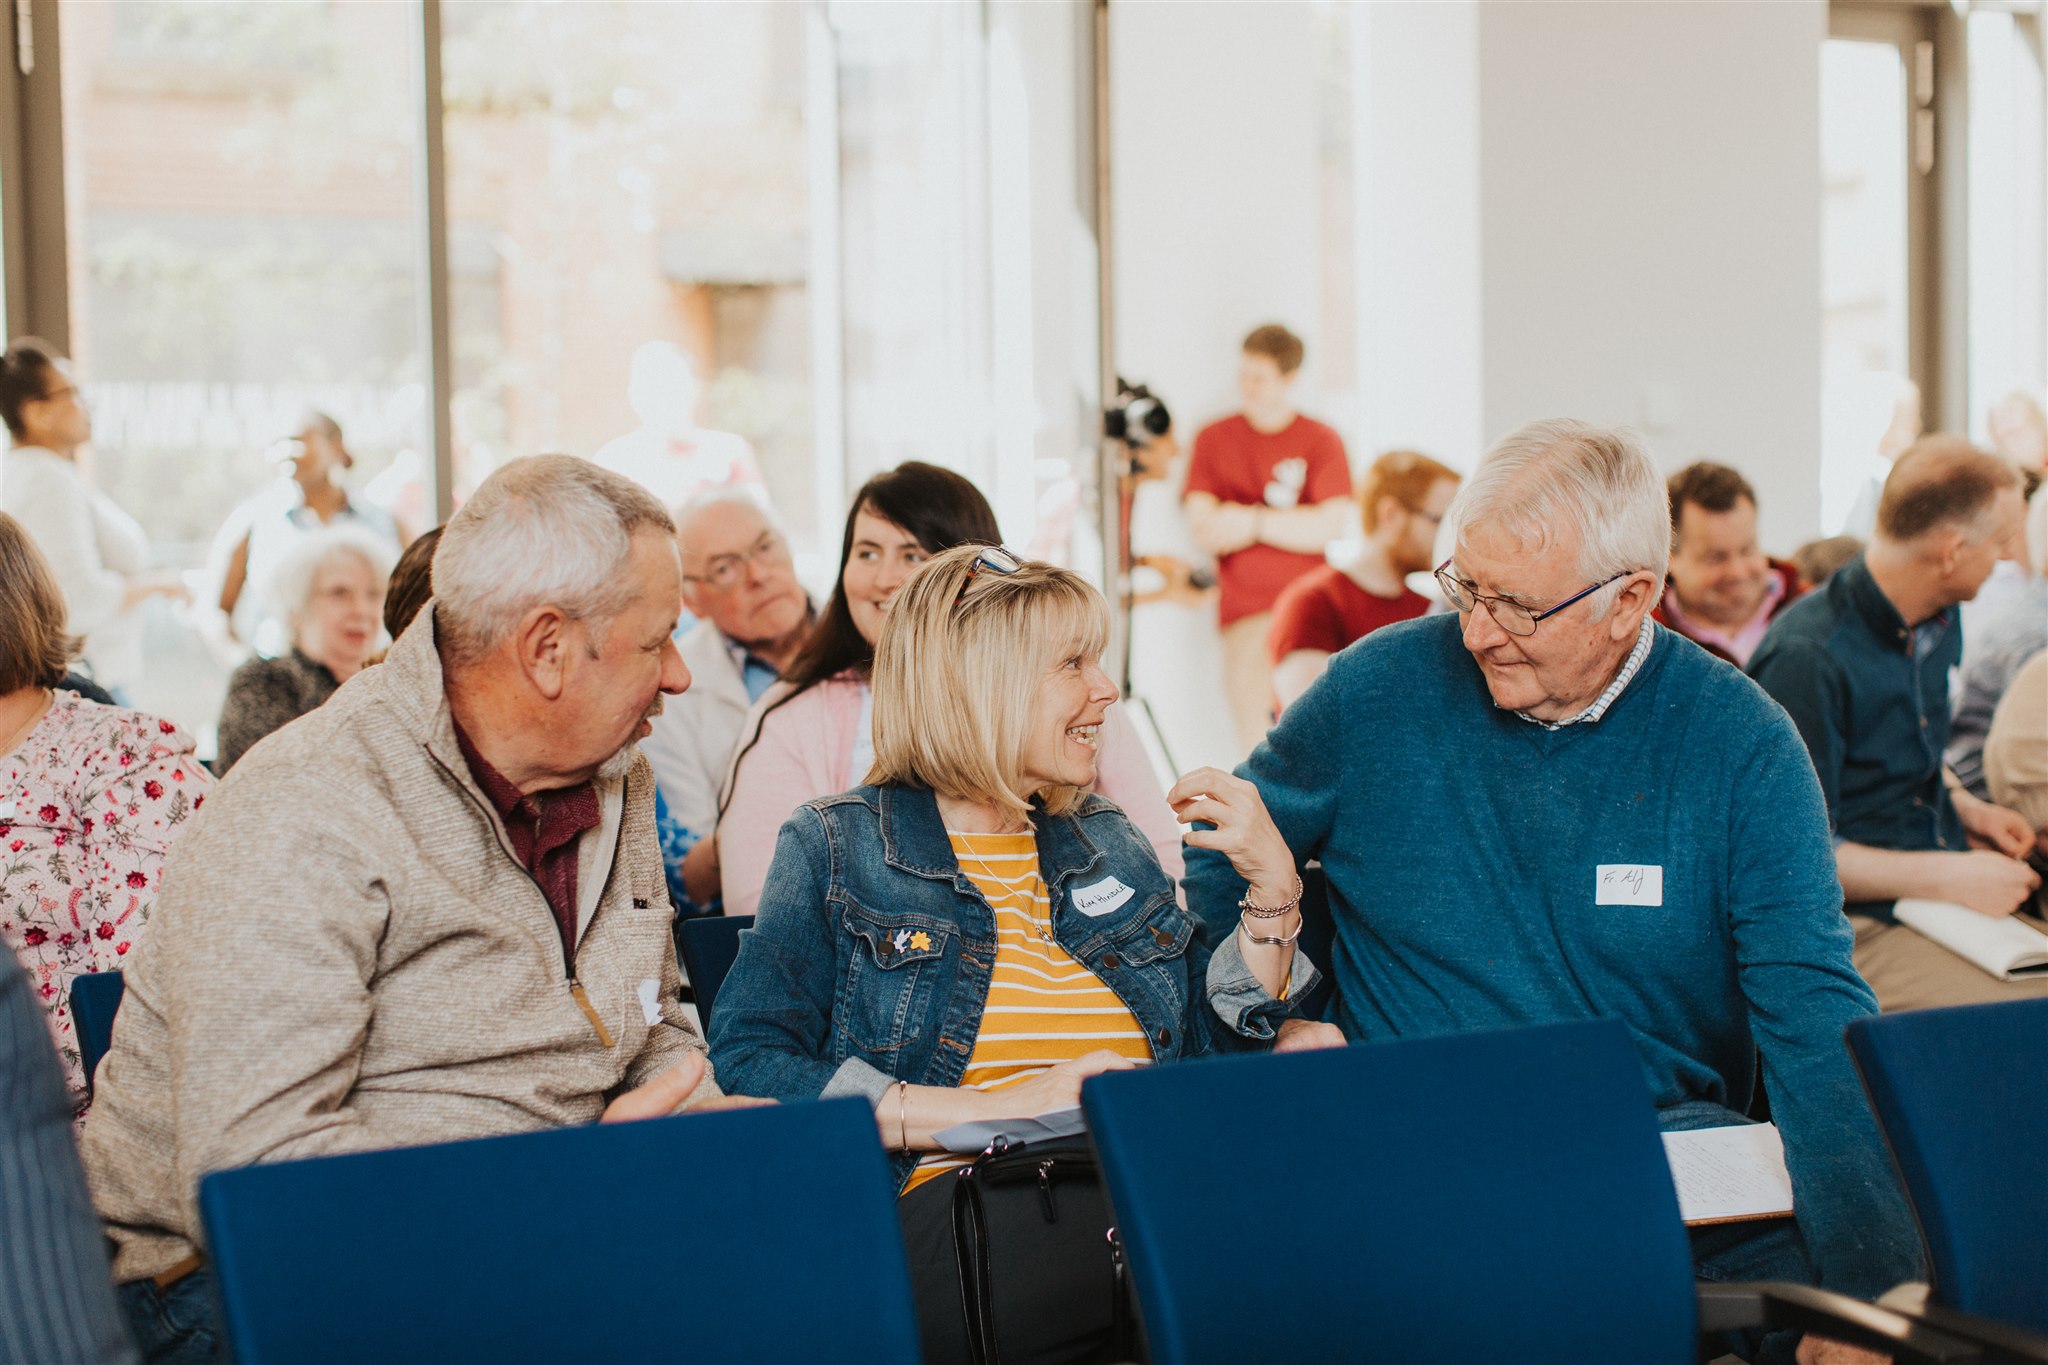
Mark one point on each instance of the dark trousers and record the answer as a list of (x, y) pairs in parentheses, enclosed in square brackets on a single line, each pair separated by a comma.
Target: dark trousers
[(1052, 1285), (175, 1326)]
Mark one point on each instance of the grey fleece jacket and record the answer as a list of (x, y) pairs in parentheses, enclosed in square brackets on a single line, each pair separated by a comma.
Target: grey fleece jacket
[(345, 955)]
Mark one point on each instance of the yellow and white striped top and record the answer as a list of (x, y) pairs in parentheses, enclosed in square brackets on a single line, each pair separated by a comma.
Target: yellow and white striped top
[(1043, 1006)]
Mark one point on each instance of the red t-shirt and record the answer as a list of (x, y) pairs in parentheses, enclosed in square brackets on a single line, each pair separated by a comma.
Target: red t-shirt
[(1298, 466), (1326, 609)]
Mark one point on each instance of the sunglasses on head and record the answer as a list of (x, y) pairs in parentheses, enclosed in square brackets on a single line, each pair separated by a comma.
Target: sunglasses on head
[(995, 559)]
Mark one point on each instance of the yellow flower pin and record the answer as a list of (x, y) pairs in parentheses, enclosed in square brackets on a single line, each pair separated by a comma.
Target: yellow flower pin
[(920, 942)]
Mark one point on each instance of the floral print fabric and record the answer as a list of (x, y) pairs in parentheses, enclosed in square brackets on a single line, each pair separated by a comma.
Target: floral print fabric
[(90, 801)]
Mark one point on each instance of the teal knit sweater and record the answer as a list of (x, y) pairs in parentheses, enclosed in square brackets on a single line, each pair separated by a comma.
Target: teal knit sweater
[(1463, 847)]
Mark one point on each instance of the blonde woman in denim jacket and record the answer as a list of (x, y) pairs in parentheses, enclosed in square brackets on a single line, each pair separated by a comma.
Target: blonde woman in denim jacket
[(970, 934)]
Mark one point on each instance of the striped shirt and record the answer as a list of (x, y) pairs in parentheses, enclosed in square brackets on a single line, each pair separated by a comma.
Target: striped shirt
[(1043, 1007)]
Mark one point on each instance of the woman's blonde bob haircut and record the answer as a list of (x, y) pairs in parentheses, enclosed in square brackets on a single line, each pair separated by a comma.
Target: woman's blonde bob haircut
[(955, 676)]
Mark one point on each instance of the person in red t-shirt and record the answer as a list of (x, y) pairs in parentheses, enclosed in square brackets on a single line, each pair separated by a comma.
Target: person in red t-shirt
[(1402, 503), (1267, 490)]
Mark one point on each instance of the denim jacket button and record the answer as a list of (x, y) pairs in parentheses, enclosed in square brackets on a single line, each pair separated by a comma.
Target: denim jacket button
[(1164, 1037), (1161, 937), (1109, 961)]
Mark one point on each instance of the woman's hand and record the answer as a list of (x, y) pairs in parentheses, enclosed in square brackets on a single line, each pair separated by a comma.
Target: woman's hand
[(1244, 832), (1057, 1087)]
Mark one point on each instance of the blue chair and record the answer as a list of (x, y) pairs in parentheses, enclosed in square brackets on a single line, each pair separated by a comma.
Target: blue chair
[(1487, 1196), (1962, 1096), (574, 1244), (95, 1000), (708, 944)]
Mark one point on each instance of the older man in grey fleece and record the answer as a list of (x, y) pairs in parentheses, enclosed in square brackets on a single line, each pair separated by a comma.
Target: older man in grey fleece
[(432, 909)]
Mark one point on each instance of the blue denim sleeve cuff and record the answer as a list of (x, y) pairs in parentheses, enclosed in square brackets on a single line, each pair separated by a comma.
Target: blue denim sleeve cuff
[(856, 1077), (1241, 1002)]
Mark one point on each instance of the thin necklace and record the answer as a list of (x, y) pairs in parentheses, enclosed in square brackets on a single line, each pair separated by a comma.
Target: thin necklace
[(1044, 931)]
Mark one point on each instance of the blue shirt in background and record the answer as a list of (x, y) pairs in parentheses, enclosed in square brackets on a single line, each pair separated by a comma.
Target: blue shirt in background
[(1870, 697), (1466, 853)]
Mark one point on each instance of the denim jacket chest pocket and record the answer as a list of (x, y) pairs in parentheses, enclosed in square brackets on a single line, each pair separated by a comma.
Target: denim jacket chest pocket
[(894, 963), (1143, 956)]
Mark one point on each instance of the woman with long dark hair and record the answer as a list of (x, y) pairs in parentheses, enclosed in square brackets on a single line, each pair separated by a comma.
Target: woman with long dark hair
[(811, 734)]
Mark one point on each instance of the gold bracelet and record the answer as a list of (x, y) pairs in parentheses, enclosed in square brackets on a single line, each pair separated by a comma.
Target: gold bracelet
[(903, 1116)]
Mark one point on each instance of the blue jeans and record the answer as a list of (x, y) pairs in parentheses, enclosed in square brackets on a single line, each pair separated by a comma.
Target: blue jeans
[(1732, 1253), (176, 1326)]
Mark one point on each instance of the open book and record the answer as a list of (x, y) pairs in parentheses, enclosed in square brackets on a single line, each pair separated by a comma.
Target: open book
[(2008, 947), (1725, 1175)]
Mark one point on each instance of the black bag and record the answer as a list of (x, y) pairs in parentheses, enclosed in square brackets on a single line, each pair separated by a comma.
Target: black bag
[(1042, 1279)]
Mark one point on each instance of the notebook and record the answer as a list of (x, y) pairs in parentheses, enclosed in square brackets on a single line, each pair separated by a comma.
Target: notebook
[(2008, 947), (1731, 1174)]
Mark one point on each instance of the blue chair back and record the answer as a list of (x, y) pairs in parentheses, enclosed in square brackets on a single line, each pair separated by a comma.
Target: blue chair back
[(1962, 1096), (708, 944), (95, 999), (1486, 1196), (574, 1244)]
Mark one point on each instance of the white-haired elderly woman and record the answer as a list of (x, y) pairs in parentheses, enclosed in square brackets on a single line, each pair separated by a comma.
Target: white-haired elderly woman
[(330, 591), (1546, 808)]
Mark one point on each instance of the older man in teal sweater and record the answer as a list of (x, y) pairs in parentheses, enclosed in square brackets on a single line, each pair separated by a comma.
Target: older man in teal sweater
[(1546, 807)]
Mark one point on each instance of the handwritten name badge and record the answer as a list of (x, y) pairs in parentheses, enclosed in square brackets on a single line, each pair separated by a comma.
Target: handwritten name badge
[(1098, 900), (1628, 884)]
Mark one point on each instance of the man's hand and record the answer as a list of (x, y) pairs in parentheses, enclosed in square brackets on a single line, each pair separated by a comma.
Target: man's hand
[(668, 1093), (1993, 827), (1822, 1351), (1990, 883), (1307, 1035), (700, 870)]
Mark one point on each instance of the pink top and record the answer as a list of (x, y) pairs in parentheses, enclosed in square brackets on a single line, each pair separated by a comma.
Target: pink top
[(805, 751), (1739, 644), (90, 801)]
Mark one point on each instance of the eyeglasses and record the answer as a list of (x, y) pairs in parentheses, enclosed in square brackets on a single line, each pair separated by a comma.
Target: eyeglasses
[(1510, 616), (995, 559), (724, 570)]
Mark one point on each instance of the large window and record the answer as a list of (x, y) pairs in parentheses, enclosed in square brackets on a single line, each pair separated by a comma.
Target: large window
[(785, 244), (242, 248)]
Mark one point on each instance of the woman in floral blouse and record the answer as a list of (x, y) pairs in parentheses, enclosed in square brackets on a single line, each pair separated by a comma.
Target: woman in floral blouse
[(91, 798)]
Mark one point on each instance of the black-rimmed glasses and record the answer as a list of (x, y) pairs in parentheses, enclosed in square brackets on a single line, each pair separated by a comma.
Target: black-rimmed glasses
[(1510, 615), (995, 559)]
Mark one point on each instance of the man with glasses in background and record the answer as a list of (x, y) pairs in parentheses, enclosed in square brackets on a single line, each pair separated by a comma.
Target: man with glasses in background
[(1547, 808), (753, 616)]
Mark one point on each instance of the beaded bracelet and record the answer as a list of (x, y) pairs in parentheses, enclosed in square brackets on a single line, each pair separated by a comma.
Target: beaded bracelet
[(1245, 906)]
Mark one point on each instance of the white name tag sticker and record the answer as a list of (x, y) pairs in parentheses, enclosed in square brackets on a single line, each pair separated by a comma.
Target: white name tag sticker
[(1628, 884), (1101, 898), (650, 1001), (8, 810)]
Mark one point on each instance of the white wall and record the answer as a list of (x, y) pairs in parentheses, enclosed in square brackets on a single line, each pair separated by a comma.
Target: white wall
[(1650, 190), (1214, 203), (1415, 93)]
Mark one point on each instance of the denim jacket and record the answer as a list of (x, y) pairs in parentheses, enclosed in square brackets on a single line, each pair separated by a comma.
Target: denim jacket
[(828, 997)]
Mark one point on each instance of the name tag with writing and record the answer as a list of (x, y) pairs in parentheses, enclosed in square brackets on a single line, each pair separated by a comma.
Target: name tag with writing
[(1628, 884), (1101, 898)]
